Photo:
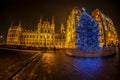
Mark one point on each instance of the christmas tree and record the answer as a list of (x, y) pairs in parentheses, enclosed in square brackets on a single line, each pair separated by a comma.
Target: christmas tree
[(87, 33)]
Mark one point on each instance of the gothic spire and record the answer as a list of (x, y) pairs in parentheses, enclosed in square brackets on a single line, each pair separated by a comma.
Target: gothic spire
[(12, 23), (53, 20), (41, 20), (19, 23)]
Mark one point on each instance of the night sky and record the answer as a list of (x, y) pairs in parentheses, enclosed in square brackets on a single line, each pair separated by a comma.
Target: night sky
[(29, 11)]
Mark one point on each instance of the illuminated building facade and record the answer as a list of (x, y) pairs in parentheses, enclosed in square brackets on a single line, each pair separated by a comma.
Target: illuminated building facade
[(71, 28), (107, 32), (44, 36)]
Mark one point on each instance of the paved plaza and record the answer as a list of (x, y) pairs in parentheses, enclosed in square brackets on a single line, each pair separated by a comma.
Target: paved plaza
[(36, 65)]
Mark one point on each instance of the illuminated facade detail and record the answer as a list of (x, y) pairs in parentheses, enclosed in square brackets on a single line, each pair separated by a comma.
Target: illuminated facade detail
[(71, 28), (14, 33), (44, 36), (108, 34)]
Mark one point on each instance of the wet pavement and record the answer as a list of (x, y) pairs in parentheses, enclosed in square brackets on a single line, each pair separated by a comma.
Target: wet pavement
[(58, 66)]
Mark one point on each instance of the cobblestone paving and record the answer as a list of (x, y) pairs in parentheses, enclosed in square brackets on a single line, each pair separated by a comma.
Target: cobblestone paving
[(58, 66)]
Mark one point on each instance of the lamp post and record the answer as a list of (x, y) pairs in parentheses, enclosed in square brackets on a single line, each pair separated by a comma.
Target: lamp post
[(1, 39), (45, 44)]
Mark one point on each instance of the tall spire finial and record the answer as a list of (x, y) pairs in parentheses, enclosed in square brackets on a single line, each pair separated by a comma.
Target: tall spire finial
[(41, 19), (19, 23), (62, 28), (12, 23), (84, 10), (53, 19)]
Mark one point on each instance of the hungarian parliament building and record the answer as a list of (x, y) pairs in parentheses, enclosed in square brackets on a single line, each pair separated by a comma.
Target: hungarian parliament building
[(46, 36)]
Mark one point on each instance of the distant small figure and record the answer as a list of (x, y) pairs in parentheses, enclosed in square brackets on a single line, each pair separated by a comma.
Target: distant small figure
[(104, 47), (54, 48), (118, 44)]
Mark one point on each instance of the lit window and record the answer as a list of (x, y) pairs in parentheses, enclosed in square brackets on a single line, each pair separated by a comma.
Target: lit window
[(40, 36), (63, 37), (48, 31), (55, 37), (33, 36), (60, 37), (48, 36), (27, 36)]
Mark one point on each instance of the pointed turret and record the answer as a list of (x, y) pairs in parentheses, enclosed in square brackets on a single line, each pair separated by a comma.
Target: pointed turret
[(19, 28), (96, 12), (40, 24), (19, 25), (62, 29), (52, 25), (12, 23), (41, 20), (53, 20)]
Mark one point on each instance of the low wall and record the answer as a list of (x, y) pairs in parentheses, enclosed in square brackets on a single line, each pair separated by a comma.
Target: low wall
[(101, 53)]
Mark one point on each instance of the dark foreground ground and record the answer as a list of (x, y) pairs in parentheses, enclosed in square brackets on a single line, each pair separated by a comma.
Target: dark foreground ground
[(22, 65)]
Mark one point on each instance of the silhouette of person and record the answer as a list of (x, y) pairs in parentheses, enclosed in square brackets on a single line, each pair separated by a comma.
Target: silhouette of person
[(54, 48)]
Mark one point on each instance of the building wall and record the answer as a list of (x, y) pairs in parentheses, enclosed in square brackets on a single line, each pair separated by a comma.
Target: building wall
[(107, 31), (108, 34), (72, 23), (44, 36), (14, 33)]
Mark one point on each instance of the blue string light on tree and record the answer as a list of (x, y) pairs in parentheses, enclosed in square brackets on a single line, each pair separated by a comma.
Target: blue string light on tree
[(87, 33)]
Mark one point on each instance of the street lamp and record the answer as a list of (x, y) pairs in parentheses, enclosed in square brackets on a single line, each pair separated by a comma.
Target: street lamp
[(1, 39), (1, 36)]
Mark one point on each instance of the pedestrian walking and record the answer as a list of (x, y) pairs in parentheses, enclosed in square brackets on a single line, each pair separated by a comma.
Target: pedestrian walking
[(54, 48)]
